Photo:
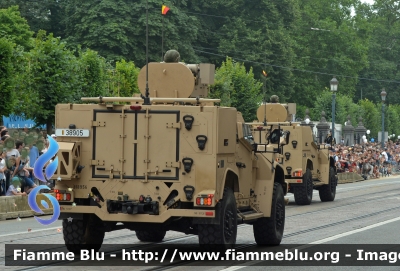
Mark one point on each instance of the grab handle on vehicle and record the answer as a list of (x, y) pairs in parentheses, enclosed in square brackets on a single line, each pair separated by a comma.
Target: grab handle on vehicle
[(201, 141), (187, 164), (189, 190), (188, 120)]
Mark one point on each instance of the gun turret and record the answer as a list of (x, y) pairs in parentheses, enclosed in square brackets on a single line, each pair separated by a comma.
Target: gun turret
[(177, 80), (275, 112)]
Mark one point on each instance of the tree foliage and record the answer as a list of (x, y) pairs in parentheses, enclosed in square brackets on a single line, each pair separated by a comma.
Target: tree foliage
[(45, 15), (93, 72), (124, 79), (15, 28), (237, 87), (301, 44), (54, 78), (384, 52), (6, 70), (117, 29)]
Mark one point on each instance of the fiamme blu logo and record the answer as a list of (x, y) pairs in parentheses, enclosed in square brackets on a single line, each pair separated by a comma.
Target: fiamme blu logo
[(44, 173)]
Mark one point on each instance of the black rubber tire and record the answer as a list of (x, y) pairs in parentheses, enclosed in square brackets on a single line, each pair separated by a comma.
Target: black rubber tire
[(83, 234), (303, 194), (150, 235), (224, 233), (269, 230), (327, 192)]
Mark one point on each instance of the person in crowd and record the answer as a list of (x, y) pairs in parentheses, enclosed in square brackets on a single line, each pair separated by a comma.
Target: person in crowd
[(22, 136), (3, 169), (3, 138), (40, 146), (15, 188), (11, 151), (330, 140), (25, 170), (19, 145), (33, 151), (3, 133), (15, 135), (385, 155)]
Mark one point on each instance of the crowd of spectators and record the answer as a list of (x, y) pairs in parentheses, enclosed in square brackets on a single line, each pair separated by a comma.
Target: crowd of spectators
[(370, 159), (19, 151)]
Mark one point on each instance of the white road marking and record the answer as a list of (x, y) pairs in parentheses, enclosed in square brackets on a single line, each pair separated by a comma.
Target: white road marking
[(357, 187), (232, 268), (16, 233), (355, 231)]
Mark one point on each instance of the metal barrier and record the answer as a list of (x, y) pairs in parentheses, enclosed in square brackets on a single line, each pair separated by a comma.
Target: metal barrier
[(17, 206)]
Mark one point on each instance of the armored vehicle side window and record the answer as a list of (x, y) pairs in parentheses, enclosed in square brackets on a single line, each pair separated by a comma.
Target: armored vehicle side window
[(247, 133), (275, 136)]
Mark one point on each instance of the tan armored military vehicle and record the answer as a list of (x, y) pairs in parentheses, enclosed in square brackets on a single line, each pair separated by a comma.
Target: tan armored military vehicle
[(181, 163), (307, 165)]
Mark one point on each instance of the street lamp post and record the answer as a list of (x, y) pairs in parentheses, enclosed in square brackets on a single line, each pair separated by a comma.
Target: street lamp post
[(383, 96), (334, 85), (368, 132)]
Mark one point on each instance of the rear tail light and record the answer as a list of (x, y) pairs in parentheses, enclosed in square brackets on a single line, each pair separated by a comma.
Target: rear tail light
[(136, 107), (205, 200), (62, 196)]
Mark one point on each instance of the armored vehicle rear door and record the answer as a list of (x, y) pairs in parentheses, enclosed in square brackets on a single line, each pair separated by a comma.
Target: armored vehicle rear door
[(135, 143)]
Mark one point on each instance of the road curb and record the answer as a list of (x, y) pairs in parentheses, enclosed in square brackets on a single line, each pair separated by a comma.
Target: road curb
[(17, 206)]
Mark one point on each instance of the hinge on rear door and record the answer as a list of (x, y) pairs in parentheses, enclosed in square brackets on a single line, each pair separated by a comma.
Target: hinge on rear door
[(97, 162), (174, 125), (98, 124), (173, 164)]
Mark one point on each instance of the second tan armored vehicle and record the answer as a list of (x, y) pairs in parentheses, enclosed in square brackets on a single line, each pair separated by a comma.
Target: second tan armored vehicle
[(179, 163), (307, 165)]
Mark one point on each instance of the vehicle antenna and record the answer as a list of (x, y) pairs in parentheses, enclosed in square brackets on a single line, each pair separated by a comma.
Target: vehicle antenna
[(265, 92), (147, 99)]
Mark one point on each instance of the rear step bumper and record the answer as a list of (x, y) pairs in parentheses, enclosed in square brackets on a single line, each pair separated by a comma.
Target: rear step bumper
[(132, 207), (103, 214)]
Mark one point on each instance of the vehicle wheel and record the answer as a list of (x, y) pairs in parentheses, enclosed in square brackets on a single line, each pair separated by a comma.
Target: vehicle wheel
[(223, 233), (303, 194), (151, 235), (83, 234), (327, 192), (269, 230)]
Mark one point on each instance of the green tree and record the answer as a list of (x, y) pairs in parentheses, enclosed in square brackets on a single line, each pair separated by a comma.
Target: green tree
[(6, 79), (93, 72), (117, 29), (392, 120), (253, 32), (329, 41), (344, 107), (54, 74), (45, 15), (384, 51), (15, 28), (124, 79), (371, 116), (237, 88)]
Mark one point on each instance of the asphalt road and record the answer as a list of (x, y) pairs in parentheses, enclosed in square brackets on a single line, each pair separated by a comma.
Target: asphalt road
[(362, 213)]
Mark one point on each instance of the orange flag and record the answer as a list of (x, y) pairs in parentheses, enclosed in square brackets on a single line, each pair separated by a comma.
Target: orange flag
[(164, 10)]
